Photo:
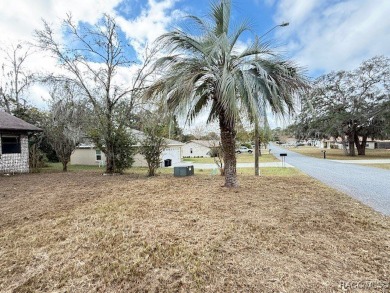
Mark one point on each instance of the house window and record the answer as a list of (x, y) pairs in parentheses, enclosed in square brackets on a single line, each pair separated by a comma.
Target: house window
[(191, 150), (10, 144), (98, 155)]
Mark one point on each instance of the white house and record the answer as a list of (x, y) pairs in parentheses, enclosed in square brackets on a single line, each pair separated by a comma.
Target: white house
[(325, 144), (14, 154), (337, 144), (378, 144), (199, 148), (88, 154)]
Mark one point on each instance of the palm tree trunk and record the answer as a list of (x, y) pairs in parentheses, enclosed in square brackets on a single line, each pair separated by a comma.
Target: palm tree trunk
[(228, 140)]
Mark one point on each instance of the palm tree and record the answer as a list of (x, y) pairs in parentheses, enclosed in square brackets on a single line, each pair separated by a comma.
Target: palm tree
[(208, 72)]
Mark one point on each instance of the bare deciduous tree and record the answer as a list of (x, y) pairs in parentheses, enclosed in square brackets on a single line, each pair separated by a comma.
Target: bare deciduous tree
[(65, 121), (14, 78), (93, 58)]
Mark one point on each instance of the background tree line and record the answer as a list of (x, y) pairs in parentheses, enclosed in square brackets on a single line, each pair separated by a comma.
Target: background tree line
[(351, 105)]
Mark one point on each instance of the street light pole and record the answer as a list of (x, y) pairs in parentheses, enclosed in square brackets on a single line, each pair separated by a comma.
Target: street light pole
[(257, 121), (278, 25)]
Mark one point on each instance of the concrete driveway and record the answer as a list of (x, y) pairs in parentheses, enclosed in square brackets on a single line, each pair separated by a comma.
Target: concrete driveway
[(369, 185)]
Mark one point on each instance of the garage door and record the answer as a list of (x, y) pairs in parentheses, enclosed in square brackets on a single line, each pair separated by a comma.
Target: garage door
[(171, 154)]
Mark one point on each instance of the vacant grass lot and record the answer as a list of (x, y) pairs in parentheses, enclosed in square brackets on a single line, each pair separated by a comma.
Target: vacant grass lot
[(241, 158), (336, 154), (381, 166), (140, 171), (84, 232)]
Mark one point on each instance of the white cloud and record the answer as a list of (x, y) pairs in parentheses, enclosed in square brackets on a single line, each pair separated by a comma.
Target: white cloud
[(19, 20), (152, 22), (332, 35)]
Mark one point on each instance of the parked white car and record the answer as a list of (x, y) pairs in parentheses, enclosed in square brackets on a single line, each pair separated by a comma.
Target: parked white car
[(244, 149)]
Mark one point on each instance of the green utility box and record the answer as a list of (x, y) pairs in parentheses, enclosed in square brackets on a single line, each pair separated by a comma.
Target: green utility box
[(183, 171)]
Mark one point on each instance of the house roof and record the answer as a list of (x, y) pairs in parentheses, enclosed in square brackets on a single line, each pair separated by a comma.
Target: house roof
[(9, 122), (207, 143), (139, 135)]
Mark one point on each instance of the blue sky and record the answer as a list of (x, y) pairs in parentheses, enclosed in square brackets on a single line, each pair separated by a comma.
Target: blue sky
[(323, 35)]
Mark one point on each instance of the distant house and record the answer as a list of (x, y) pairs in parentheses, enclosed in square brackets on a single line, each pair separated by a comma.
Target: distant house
[(370, 144), (88, 154), (326, 144), (14, 154), (378, 144), (199, 148)]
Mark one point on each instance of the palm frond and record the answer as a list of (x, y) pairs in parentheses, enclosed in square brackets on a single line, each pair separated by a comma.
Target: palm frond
[(205, 72), (220, 14)]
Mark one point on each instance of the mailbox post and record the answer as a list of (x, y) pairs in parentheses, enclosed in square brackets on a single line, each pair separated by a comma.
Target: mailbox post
[(283, 157), (324, 154)]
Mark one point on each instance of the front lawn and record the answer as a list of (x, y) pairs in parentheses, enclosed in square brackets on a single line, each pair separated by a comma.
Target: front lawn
[(241, 158), (381, 166), (338, 154), (84, 232)]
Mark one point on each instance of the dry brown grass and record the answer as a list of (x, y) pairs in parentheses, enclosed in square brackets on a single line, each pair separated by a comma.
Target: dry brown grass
[(83, 232), (338, 154), (381, 166)]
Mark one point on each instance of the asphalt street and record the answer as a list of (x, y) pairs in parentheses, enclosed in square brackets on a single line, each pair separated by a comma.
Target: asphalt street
[(369, 185)]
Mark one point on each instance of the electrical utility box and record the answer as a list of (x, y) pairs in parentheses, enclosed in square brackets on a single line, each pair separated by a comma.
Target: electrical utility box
[(183, 171)]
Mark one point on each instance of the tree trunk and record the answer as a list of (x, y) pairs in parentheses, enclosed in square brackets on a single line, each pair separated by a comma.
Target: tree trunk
[(109, 158), (151, 170), (109, 140), (351, 145), (228, 140), (257, 140), (344, 143), (64, 166), (361, 147)]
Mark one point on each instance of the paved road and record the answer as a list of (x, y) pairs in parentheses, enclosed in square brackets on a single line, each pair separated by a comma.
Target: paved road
[(369, 185)]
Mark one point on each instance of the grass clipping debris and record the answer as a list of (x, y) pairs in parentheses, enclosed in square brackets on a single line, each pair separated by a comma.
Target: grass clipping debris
[(83, 232)]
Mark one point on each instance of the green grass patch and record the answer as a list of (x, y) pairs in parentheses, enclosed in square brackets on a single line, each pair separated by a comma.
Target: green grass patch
[(57, 167), (143, 171), (271, 171), (337, 154), (241, 158)]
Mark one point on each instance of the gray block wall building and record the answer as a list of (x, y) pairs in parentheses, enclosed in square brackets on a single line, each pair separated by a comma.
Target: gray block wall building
[(14, 153)]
